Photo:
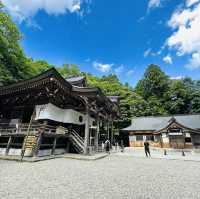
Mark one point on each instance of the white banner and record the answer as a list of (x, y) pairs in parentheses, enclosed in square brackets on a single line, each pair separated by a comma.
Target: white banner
[(52, 112), (175, 133)]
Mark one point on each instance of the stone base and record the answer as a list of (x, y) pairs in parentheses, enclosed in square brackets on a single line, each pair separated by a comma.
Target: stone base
[(66, 155), (2, 151), (45, 152), (59, 151), (13, 151)]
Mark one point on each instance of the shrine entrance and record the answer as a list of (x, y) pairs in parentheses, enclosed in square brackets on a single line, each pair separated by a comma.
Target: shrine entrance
[(176, 138)]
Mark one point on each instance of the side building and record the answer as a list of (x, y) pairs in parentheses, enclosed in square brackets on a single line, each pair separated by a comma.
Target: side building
[(178, 131), (49, 115)]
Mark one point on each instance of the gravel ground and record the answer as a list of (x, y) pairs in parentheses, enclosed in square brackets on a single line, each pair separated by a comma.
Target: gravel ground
[(159, 153), (112, 177)]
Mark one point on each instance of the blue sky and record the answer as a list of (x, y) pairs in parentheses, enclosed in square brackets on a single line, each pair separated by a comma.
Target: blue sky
[(112, 36)]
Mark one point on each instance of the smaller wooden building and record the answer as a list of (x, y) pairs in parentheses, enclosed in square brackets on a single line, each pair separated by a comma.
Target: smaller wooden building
[(178, 131)]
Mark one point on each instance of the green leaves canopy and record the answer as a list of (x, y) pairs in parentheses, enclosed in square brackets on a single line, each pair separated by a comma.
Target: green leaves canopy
[(154, 83), (13, 66)]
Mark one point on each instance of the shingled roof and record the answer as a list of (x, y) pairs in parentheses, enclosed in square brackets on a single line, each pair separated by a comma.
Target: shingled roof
[(156, 123), (50, 86)]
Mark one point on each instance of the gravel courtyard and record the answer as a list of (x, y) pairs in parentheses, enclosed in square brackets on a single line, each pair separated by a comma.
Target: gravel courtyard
[(112, 177)]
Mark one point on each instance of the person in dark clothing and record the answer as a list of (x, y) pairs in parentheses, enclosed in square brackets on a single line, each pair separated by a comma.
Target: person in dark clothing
[(146, 149), (107, 143)]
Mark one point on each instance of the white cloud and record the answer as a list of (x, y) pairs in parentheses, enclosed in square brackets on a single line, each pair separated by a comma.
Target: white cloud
[(185, 39), (130, 72), (32, 23), (194, 61), (154, 4), (167, 59), (147, 52), (177, 77), (191, 2), (22, 10), (119, 69), (102, 67)]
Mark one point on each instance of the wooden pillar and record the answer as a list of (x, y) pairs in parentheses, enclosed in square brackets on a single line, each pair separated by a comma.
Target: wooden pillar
[(97, 135), (54, 146), (87, 128), (108, 128), (161, 141), (68, 146), (111, 141), (8, 145), (39, 139), (192, 140)]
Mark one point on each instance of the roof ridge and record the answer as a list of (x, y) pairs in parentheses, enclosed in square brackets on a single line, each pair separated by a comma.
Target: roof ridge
[(151, 116), (75, 77)]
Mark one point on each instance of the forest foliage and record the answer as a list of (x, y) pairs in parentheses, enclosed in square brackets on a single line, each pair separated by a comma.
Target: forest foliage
[(154, 94)]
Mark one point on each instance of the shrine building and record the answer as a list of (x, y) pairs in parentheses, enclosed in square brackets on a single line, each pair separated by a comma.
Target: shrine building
[(178, 131), (49, 115)]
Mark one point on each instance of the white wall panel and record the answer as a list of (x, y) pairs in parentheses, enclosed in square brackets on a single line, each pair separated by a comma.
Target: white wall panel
[(51, 112)]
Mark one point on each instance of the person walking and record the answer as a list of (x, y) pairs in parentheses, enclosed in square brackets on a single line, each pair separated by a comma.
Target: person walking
[(107, 143), (146, 149)]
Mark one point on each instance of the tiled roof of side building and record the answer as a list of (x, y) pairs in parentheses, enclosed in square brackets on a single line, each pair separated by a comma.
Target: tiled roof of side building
[(157, 123)]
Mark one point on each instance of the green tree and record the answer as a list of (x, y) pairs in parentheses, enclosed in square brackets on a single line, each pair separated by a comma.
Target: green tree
[(154, 83), (69, 70), (13, 63), (138, 106), (38, 66), (178, 98), (131, 104), (155, 106), (195, 102)]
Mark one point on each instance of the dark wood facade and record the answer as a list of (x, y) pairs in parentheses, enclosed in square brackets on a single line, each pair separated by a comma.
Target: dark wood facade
[(17, 108)]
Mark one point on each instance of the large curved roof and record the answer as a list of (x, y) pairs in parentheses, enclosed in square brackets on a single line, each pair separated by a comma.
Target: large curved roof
[(42, 78), (50, 84)]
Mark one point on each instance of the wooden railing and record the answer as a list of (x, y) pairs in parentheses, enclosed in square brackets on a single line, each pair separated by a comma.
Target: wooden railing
[(34, 129)]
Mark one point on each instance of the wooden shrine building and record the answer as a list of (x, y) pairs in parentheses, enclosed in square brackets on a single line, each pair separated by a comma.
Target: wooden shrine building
[(51, 115), (178, 131)]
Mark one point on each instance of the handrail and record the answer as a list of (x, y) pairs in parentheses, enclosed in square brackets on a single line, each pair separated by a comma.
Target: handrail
[(77, 140), (77, 135), (9, 125), (23, 128)]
